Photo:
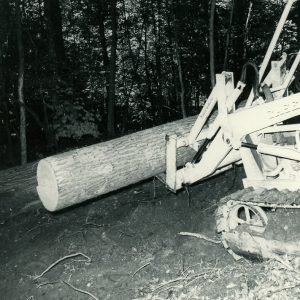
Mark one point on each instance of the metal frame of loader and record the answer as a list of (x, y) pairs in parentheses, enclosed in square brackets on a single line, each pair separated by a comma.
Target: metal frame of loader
[(254, 134)]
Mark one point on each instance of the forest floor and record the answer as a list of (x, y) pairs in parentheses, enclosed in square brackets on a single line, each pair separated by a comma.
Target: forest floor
[(126, 246)]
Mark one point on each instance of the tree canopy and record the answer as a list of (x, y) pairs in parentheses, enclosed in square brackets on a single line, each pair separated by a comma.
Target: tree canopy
[(95, 69)]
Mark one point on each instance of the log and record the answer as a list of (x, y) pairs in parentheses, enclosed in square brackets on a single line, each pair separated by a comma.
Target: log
[(19, 179), (18, 190), (78, 175)]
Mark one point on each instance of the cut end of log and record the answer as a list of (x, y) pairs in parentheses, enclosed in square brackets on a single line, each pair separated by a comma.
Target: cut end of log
[(47, 185)]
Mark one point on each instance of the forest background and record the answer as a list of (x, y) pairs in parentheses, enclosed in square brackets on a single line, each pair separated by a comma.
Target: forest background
[(73, 73)]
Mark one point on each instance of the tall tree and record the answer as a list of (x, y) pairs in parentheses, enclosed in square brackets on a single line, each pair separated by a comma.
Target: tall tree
[(179, 63), (246, 30), (23, 143), (212, 43), (109, 57), (228, 36)]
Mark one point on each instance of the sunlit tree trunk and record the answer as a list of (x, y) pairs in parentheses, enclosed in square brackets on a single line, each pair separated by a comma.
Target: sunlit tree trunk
[(228, 36), (182, 88), (211, 43), (23, 143), (173, 97), (179, 66), (246, 31)]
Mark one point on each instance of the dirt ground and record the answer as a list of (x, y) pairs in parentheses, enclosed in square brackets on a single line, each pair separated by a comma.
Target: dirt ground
[(126, 246)]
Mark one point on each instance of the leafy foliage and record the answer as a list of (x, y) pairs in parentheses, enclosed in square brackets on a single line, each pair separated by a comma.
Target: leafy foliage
[(67, 88)]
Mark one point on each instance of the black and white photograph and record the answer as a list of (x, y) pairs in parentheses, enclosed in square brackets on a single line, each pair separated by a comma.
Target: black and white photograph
[(149, 149)]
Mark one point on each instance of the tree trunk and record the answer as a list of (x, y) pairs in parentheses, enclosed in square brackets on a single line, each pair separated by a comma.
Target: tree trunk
[(128, 42), (179, 67), (182, 89), (18, 190), (228, 36), (112, 71), (211, 43), (19, 179), (173, 98), (23, 142), (246, 31), (76, 176)]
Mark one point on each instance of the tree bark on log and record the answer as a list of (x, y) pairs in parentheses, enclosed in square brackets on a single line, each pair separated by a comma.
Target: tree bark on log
[(19, 179), (78, 175)]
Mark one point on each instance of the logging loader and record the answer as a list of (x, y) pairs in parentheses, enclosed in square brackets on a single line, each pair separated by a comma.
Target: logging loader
[(262, 133)]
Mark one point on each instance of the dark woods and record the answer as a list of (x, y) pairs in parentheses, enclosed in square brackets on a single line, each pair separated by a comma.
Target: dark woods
[(78, 72)]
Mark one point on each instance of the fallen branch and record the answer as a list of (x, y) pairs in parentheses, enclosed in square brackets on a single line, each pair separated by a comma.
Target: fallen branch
[(200, 236), (289, 287), (80, 290), (140, 268), (186, 278), (46, 283), (284, 263), (168, 282), (59, 260)]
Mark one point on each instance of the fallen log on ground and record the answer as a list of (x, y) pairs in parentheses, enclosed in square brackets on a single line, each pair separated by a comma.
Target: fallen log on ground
[(19, 179), (78, 175), (18, 190)]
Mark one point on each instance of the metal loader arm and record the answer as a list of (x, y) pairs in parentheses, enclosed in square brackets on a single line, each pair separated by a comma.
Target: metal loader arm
[(221, 143)]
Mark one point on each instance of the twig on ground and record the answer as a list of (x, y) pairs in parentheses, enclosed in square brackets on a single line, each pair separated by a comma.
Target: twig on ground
[(200, 236), (284, 263), (59, 260), (278, 290), (197, 276), (186, 278), (210, 207), (140, 268), (189, 267), (94, 224), (122, 233), (168, 282), (46, 283), (80, 290), (37, 226), (168, 288)]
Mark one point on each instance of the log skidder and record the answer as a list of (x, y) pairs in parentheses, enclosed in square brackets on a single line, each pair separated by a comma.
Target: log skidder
[(263, 135)]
